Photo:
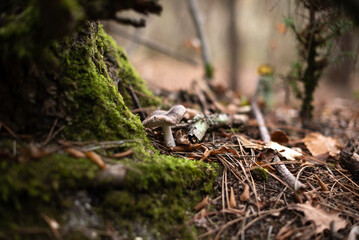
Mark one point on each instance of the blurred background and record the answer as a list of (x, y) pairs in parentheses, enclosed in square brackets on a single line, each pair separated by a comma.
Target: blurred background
[(261, 35)]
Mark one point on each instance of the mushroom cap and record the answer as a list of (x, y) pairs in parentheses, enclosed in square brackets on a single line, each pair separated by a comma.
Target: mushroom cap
[(165, 118)]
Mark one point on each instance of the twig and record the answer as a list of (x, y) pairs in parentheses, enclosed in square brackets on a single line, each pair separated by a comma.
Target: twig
[(155, 46), (198, 23), (288, 176), (281, 168), (257, 113), (223, 197)]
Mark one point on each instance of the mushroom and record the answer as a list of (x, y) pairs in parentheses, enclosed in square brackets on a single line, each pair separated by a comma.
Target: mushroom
[(166, 119)]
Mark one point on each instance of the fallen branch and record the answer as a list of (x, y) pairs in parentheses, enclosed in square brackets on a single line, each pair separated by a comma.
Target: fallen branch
[(288, 176), (281, 168)]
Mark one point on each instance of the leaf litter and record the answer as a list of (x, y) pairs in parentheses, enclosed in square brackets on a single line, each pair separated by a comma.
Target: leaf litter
[(250, 196)]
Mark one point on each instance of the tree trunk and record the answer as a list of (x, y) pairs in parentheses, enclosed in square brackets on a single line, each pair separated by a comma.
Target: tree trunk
[(60, 72)]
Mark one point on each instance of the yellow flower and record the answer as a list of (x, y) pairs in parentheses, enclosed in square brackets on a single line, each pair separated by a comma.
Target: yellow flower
[(265, 70)]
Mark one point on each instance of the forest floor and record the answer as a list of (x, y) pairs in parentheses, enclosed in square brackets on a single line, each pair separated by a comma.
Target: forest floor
[(252, 198)]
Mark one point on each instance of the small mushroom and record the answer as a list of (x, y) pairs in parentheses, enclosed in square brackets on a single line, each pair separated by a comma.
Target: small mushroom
[(166, 119)]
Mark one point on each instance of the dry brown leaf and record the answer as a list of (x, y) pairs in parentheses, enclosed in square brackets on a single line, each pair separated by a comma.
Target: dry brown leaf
[(320, 217), (187, 148), (181, 139), (279, 137), (202, 204), (248, 143), (245, 194), (220, 150), (122, 154), (75, 153), (318, 144), (232, 199), (96, 159)]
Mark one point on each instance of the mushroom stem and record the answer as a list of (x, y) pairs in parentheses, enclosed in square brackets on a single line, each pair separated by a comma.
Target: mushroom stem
[(167, 135)]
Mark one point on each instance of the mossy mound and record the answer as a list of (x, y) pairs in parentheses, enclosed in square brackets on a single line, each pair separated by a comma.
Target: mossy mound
[(153, 201)]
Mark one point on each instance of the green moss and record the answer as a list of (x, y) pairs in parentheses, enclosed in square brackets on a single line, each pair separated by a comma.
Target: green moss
[(209, 71), (93, 66), (127, 75), (158, 192), (260, 174), (40, 179), (165, 191), (97, 108)]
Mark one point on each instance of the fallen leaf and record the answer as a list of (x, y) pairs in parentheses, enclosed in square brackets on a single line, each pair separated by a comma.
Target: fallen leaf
[(245, 142), (320, 217), (202, 204), (286, 152), (181, 139), (75, 153), (220, 150), (279, 137), (232, 199), (318, 144), (245, 194), (96, 159), (122, 154)]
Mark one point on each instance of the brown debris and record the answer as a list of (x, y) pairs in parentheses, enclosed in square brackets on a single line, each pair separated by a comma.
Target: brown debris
[(127, 153), (232, 199), (244, 197), (279, 137), (96, 159), (318, 144), (202, 204), (75, 153), (297, 177)]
